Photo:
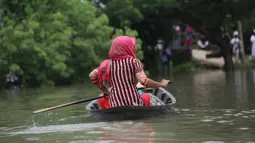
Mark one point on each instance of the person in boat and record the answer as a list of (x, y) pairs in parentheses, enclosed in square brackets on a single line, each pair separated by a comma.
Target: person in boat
[(122, 72), (104, 102)]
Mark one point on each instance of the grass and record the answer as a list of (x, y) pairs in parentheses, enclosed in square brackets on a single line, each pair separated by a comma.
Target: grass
[(246, 65), (192, 66)]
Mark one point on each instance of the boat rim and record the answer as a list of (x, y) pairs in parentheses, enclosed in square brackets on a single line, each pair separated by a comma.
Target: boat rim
[(137, 107)]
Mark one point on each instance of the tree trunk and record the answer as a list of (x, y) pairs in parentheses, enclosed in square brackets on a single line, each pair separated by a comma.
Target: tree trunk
[(150, 58), (227, 56), (242, 52)]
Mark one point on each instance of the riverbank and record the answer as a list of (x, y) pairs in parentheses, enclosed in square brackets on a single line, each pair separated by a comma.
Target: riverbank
[(199, 55), (195, 66), (192, 66), (246, 65), (188, 67)]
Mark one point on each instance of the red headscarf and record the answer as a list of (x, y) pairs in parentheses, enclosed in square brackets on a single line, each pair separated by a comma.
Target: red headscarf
[(122, 47)]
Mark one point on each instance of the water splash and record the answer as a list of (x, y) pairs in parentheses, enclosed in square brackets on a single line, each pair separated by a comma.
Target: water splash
[(224, 121), (53, 116), (49, 119), (33, 120), (207, 120), (213, 142), (244, 128)]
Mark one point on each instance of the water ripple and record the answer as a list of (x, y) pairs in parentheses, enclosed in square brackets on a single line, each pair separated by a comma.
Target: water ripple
[(58, 128)]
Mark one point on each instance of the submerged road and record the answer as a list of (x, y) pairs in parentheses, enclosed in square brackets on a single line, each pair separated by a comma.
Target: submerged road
[(200, 55)]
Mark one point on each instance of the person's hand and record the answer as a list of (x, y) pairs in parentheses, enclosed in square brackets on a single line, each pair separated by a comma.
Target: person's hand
[(165, 82), (139, 85), (106, 92)]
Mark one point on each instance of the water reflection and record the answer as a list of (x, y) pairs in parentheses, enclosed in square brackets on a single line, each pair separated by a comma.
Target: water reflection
[(13, 91), (56, 128), (241, 93), (114, 132), (215, 89), (223, 125), (196, 125), (253, 78), (129, 132), (207, 85)]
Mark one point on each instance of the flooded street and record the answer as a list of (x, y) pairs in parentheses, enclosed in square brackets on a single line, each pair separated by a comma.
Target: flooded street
[(212, 107)]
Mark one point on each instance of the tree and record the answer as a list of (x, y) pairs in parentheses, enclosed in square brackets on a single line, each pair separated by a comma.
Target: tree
[(145, 17), (53, 42), (214, 19)]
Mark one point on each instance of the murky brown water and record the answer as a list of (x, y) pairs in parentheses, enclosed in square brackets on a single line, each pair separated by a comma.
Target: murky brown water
[(212, 107)]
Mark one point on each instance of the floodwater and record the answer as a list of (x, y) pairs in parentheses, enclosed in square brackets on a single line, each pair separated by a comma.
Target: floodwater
[(212, 107)]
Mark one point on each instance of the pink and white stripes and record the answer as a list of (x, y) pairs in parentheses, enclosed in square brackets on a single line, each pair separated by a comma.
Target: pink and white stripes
[(123, 82)]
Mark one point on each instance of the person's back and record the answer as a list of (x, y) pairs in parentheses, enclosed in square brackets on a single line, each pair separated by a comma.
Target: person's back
[(122, 72), (123, 80)]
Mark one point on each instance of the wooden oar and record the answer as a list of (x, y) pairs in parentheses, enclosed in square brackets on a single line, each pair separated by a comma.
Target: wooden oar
[(67, 104), (72, 103), (139, 87)]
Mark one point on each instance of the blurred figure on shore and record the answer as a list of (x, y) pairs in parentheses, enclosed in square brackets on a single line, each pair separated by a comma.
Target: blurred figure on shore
[(203, 42), (158, 48), (165, 59), (176, 43), (12, 85), (235, 42), (252, 39), (188, 37)]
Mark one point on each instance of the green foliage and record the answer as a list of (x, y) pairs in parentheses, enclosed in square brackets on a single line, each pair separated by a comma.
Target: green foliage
[(214, 19), (122, 13), (51, 41), (188, 67)]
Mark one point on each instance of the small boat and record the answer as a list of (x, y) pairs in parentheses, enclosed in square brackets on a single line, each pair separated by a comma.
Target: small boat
[(162, 102)]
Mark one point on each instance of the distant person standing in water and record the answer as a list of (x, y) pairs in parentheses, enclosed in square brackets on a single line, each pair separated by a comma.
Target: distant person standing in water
[(176, 43), (165, 59), (12, 84), (252, 39), (188, 38), (236, 46), (203, 42)]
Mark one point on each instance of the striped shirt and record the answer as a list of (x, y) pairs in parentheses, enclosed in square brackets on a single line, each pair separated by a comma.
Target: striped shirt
[(125, 74), (123, 81)]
